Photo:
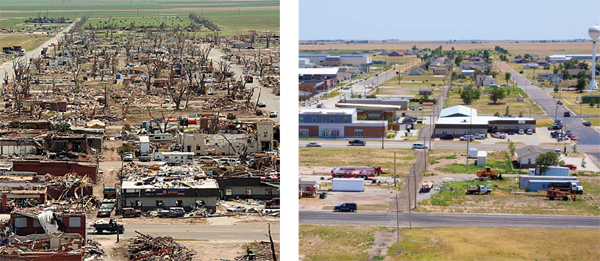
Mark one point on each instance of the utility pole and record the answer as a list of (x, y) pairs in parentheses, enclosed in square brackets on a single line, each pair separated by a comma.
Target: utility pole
[(384, 132), (415, 176), (469, 138), (395, 175), (397, 226)]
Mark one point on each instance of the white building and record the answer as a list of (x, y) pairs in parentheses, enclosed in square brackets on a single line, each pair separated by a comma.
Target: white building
[(354, 59)]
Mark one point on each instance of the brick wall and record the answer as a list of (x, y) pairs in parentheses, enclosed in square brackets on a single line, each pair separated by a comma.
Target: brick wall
[(57, 168), (313, 131), (368, 132)]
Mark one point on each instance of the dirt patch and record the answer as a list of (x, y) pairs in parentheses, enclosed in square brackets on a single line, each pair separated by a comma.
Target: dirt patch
[(383, 240)]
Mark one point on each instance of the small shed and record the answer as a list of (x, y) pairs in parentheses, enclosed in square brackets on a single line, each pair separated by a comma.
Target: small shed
[(481, 158)]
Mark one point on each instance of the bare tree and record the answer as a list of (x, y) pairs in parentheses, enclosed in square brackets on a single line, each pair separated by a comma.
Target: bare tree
[(38, 62), (20, 87), (178, 90), (223, 67)]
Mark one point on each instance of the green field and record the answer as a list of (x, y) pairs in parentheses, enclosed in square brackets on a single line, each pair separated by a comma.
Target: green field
[(232, 16), (27, 41)]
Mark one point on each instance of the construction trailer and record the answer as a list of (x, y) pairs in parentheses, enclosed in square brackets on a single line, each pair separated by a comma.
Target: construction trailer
[(481, 158), (551, 171), (537, 185), (524, 180), (348, 184)]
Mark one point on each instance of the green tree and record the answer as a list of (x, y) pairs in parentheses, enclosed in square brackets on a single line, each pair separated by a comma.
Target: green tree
[(581, 84), (496, 94), (583, 163), (574, 148), (507, 110), (469, 94), (458, 59), (507, 77), (592, 103), (512, 148), (521, 114), (547, 159), (556, 89)]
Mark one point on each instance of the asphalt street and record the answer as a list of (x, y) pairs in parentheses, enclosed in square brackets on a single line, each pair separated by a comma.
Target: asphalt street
[(266, 94), (6, 68), (420, 219), (199, 232), (365, 86), (586, 135)]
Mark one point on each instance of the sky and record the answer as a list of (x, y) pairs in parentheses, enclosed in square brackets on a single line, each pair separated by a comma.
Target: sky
[(447, 20)]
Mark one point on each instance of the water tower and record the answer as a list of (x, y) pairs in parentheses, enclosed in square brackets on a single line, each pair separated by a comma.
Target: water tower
[(594, 33)]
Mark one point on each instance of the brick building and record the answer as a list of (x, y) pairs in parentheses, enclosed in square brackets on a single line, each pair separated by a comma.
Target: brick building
[(338, 123)]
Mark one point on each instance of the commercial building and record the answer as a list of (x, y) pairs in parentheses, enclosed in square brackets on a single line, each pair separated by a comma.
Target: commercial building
[(375, 108), (527, 155), (338, 122), (461, 120), (229, 144), (315, 80), (262, 188), (344, 59)]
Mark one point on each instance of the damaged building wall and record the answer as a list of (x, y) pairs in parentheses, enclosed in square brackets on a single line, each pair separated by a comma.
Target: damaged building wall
[(148, 199), (252, 188), (27, 223), (58, 168)]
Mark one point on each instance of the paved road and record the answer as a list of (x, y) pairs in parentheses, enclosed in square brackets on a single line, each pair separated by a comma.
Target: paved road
[(420, 219), (200, 232), (6, 68), (586, 135), (365, 86), (266, 95)]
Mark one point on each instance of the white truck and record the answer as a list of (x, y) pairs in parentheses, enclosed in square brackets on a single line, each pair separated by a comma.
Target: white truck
[(175, 157), (479, 189)]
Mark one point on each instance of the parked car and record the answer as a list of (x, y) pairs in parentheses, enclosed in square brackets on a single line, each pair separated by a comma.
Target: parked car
[(447, 137), (521, 131), (560, 103), (228, 161), (313, 144), (145, 158), (273, 114), (570, 166), (567, 114), (207, 160), (345, 207), (419, 146), (529, 131), (558, 122), (405, 114), (131, 212), (466, 137), (587, 123), (128, 157), (357, 143), (236, 209), (480, 136), (262, 105), (555, 127), (175, 212), (499, 135)]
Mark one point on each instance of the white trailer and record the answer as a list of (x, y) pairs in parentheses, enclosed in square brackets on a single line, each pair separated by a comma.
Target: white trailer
[(551, 171), (524, 179), (473, 153), (144, 145), (175, 158), (350, 185)]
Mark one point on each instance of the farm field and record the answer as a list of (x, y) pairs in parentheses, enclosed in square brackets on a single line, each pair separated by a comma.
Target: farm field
[(514, 47), (27, 41)]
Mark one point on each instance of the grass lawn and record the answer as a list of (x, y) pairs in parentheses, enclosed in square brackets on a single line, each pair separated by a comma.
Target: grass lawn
[(484, 106), (329, 157), (336, 242), (496, 244), (332, 94), (498, 161), (544, 122), (502, 201)]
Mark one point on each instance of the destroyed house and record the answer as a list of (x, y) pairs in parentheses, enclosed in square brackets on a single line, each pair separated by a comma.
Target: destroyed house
[(152, 193), (46, 222), (21, 146), (58, 168), (82, 143), (55, 246), (21, 194), (249, 188)]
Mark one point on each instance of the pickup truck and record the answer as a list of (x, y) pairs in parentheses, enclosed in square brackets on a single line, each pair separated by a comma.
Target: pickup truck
[(106, 208), (111, 226), (357, 143), (479, 189), (499, 135)]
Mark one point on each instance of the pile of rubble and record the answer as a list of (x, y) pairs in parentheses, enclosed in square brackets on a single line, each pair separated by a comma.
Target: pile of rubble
[(147, 247), (259, 251)]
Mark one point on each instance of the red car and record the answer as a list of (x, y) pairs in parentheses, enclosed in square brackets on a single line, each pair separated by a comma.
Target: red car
[(573, 137), (570, 166)]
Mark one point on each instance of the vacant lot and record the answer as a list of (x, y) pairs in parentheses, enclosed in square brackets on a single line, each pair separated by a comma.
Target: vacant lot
[(354, 242), (485, 106), (329, 157), (498, 161), (496, 244), (336, 242), (501, 200)]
